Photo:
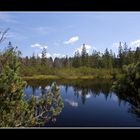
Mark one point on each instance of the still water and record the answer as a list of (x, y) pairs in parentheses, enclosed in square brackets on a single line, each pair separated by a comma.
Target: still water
[(90, 103)]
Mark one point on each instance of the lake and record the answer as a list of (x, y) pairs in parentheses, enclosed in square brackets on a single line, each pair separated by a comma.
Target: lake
[(89, 103)]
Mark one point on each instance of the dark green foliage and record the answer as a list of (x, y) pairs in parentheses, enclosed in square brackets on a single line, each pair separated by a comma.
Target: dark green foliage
[(44, 57), (130, 82), (107, 60), (84, 56), (127, 87), (14, 111)]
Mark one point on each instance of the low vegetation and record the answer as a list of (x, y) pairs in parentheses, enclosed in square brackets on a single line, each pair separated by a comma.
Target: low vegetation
[(129, 83)]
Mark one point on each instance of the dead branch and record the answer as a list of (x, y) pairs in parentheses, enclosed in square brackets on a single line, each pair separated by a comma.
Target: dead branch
[(3, 35)]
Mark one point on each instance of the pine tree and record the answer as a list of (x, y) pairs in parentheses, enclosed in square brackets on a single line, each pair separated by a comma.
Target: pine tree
[(120, 55), (76, 60), (107, 59), (14, 111), (84, 56), (44, 57)]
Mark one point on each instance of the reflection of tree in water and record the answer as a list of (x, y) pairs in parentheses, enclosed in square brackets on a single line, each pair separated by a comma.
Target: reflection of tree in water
[(43, 90), (133, 100), (66, 88), (82, 88), (48, 106), (37, 83), (135, 110), (83, 95)]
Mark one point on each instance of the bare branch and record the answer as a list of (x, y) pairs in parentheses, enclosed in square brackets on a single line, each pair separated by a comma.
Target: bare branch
[(3, 35)]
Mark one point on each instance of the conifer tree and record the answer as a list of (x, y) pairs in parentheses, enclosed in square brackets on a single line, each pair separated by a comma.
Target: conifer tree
[(14, 111)]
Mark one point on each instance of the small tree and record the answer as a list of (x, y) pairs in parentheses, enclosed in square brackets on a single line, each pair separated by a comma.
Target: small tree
[(14, 111), (44, 57), (84, 56)]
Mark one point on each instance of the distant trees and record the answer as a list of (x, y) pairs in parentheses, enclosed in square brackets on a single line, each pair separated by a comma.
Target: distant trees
[(107, 60), (127, 56), (76, 60), (137, 55)]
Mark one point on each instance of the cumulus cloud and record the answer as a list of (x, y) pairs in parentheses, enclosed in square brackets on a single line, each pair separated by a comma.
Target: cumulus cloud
[(72, 40), (63, 55), (39, 46), (56, 54), (88, 48), (47, 55), (117, 44), (135, 43), (132, 44)]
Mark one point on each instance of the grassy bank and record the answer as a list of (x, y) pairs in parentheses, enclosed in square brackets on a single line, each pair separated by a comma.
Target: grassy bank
[(54, 77), (69, 73)]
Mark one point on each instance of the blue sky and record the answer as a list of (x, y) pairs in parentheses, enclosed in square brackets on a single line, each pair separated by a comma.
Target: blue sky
[(62, 33)]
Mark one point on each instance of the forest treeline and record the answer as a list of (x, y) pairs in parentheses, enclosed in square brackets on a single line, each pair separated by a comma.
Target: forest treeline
[(107, 63)]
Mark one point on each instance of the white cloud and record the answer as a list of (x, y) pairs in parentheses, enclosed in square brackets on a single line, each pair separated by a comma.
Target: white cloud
[(135, 43), (132, 44), (56, 54), (53, 55), (39, 46), (71, 40), (63, 55), (47, 55), (88, 48), (7, 18), (117, 44)]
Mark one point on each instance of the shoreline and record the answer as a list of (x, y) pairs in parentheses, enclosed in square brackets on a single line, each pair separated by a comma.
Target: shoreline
[(55, 77)]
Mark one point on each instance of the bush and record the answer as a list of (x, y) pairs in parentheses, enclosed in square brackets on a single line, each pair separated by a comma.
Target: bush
[(130, 82)]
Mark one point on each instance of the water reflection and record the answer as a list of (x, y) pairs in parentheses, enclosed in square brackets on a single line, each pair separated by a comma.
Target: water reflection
[(84, 90), (133, 100), (72, 102), (47, 105)]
